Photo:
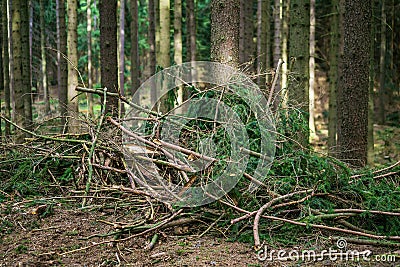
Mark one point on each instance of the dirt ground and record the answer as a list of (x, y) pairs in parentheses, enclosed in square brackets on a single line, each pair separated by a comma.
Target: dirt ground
[(28, 240)]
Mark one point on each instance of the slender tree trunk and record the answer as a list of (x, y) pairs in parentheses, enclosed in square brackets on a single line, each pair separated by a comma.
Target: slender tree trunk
[(246, 46), (178, 42), (371, 111), (156, 10), (277, 53), (225, 23), (311, 108), (17, 68), (122, 54), (72, 44), (285, 52), (26, 66), (44, 61), (263, 41), (108, 52), (382, 63), (135, 49), (152, 44), (6, 66), (333, 76), (1, 67), (354, 83), (166, 101), (90, 64), (62, 67), (191, 30), (300, 51)]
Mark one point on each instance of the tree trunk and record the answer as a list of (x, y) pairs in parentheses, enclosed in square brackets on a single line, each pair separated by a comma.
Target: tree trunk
[(20, 91), (72, 45), (191, 30), (277, 54), (263, 41), (108, 52), (26, 66), (371, 111), (300, 51), (152, 44), (135, 49), (1, 67), (90, 64), (62, 69), (246, 33), (353, 83), (382, 62), (44, 62), (121, 62), (6, 67), (285, 54), (311, 108), (166, 101), (225, 23), (178, 42), (333, 76)]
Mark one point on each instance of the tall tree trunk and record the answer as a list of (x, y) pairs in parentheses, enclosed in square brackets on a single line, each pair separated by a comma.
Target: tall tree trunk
[(20, 55), (166, 102), (225, 23), (90, 60), (6, 66), (246, 32), (300, 51), (277, 54), (62, 69), (371, 111), (135, 49), (353, 83), (333, 75), (191, 30), (108, 52), (26, 66), (178, 42), (263, 41), (72, 44), (121, 62), (285, 52), (311, 93), (382, 62), (44, 61), (156, 10), (152, 44)]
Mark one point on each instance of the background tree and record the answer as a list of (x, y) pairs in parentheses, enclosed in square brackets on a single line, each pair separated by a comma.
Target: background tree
[(354, 83), (134, 48), (225, 23), (45, 87), (108, 51), (89, 54), (62, 69), (299, 50), (121, 50), (6, 67), (72, 45)]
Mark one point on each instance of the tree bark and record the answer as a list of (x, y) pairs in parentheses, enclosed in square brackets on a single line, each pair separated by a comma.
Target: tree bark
[(152, 44), (6, 67), (191, 30), (44, 61), (225, 23), (90, 60), (382, 62), (300, 51), (108, 52), (62, 69), (371, 111), (135, 49), (353, 83), (333, 76), (165, 102), (263, 41), (121, 62), (72, 45), (26, 65), (311, 90)]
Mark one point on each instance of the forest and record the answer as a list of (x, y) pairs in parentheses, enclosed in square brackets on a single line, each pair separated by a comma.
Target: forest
[(199, 132)]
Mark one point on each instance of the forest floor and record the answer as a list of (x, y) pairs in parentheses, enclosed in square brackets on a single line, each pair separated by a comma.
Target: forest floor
[(28, 240), (33, 234)]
